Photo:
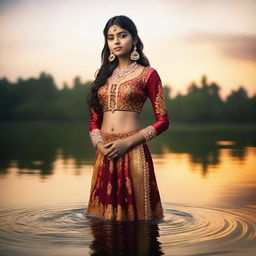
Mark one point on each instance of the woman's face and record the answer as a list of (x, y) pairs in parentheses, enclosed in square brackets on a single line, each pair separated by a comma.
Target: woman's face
[(119, 37)]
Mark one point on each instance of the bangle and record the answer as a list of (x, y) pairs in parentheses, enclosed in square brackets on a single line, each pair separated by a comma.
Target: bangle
[(149, 133), (95, 137)]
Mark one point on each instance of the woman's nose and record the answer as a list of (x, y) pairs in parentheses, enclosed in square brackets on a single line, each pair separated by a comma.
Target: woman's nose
[(116, 41)]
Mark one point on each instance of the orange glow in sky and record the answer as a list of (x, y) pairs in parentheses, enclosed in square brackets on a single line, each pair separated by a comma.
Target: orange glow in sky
[(182, 39)]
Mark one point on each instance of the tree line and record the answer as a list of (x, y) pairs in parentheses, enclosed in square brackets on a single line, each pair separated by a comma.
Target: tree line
[(39, 98)]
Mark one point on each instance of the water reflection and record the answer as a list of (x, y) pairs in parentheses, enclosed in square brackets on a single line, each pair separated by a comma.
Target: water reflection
[(36, 146), (131, 239), (185, 230)]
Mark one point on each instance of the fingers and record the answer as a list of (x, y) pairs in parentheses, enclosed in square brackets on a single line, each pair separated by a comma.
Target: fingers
[(111, 151), (113, 154), (109, 148), (108, 144)]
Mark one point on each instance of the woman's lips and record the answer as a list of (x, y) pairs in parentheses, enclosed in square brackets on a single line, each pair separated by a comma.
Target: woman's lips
[(118, 48)]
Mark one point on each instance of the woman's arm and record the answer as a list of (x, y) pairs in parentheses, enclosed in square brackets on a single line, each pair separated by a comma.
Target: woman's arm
[(95, 126), (155, 93)]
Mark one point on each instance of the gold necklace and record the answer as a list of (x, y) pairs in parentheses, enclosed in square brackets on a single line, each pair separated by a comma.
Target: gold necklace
[(120, 74)]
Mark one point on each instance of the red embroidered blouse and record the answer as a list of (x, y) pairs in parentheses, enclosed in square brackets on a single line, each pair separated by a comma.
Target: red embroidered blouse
[(131, 95)]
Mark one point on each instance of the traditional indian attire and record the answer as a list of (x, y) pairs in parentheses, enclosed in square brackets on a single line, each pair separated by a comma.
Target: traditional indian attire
[(125, 188)]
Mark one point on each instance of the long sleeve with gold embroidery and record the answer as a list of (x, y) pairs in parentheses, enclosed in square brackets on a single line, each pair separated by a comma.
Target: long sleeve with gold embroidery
[(95, 126), (155, 93)]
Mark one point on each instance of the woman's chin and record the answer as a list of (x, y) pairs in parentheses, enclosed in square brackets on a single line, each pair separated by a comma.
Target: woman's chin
[(122, 55)]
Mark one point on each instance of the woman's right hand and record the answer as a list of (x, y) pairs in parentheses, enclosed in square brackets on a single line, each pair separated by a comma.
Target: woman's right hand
[(101, 148), (104, 150)]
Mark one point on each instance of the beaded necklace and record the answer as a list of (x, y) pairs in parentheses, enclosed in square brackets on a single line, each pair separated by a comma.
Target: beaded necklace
[(119, 74)]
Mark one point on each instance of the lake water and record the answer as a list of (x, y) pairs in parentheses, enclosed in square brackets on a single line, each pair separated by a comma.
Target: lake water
[(206, 176)]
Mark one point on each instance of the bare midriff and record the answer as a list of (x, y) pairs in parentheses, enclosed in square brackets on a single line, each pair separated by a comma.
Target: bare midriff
[(120, 121)]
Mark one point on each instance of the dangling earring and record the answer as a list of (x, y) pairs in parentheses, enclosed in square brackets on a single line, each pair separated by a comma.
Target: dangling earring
[(134, 55), (111, 57)]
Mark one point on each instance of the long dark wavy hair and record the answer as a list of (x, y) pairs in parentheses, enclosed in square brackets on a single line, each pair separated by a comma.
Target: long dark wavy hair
[(107, 67)]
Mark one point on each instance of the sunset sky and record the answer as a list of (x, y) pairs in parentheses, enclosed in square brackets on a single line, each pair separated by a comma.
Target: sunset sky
[(183, 39)]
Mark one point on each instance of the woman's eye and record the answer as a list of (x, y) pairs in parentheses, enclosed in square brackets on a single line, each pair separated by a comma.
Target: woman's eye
[(122, 36)]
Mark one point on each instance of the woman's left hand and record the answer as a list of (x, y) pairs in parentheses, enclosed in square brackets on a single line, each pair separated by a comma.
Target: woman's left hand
[(116, 148)]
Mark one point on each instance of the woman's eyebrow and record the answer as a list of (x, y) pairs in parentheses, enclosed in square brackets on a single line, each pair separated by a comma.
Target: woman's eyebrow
[(117, 33)]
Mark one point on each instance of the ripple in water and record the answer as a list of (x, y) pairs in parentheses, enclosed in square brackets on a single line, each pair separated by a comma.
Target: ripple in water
[(225, 231), (185, 230)]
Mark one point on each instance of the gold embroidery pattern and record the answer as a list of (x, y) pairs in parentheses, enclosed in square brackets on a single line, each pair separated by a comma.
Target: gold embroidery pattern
[(109, 189), (160, 101), (149, 133), (130, 96), (131, 212), (109, 211), (114, 136), (96, 208), (119, 212), (141, 161), (111, 166), (95, 136), (112, 92)]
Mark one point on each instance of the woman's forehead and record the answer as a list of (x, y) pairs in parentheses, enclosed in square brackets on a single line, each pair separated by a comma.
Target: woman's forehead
[(116, 29)]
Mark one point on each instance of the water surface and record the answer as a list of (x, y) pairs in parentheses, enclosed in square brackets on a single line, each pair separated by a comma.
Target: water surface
[(206, 177)]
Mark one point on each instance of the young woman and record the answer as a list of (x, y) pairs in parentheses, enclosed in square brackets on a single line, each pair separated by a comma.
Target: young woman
[(124, 186)]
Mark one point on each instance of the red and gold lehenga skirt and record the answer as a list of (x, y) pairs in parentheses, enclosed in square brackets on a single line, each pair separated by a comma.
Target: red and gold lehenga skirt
[(124, 188)]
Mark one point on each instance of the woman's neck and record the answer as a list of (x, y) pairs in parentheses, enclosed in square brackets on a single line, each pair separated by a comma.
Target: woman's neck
[(124, 62)]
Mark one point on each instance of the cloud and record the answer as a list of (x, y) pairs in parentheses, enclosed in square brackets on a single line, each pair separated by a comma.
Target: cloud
[(235, 46)]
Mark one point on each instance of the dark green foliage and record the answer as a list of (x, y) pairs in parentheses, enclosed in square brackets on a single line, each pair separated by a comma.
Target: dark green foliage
[(40, 99)]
